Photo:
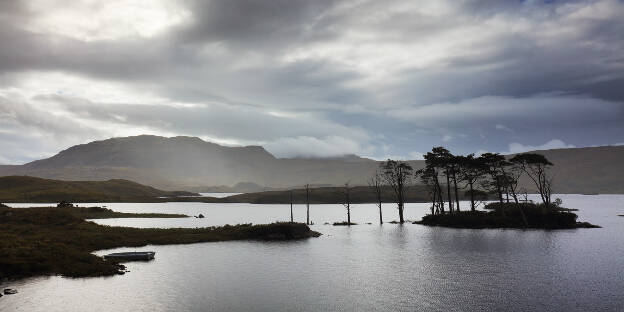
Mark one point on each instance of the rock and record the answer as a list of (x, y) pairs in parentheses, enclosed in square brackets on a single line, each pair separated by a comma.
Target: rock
[(201, 216), (10, 291)]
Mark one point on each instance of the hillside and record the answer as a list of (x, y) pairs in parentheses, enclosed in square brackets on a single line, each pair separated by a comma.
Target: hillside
[(189, 163), (588, 169), (30, 189), (331, 195), (192, 164)]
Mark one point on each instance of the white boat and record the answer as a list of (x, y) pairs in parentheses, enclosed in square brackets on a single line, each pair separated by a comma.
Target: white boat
[(135, 255)]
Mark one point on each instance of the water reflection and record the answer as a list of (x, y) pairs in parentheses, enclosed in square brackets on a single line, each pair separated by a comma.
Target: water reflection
[(364, 267)]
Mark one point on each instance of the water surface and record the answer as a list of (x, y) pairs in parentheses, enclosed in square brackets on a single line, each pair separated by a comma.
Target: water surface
[(361, 268)]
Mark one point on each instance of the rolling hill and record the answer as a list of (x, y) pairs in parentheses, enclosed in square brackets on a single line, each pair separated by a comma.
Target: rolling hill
[(31, 189), (192, 164)]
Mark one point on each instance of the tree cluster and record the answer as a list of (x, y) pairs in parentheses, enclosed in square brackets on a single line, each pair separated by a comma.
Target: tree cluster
[(446, 174)]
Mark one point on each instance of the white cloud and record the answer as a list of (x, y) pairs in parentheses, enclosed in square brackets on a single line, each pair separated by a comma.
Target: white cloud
[(502, 127), (90, 20), (515, 148), (241, 72)]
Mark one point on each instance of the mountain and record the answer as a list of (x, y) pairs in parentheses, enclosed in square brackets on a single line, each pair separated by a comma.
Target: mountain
[(187, 162), (31, 189), (587, 170), (192, 164)]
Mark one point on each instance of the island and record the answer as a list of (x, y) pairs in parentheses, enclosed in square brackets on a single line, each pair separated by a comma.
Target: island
[(59, 241), (508, 215)]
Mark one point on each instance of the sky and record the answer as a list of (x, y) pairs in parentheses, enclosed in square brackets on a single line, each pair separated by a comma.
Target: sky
[(381, 79)]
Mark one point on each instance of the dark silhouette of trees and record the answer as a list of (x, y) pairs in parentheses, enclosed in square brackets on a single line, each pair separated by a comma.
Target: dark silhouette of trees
[(512, 172), (443, 159), (454, 165), (490, 172), (536, 167), (493, 164), (429, 177), (397, 175), (436, 162), (472, 171), (376, 182)]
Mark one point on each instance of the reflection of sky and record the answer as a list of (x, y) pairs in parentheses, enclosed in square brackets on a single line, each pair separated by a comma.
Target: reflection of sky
[(363, 268)]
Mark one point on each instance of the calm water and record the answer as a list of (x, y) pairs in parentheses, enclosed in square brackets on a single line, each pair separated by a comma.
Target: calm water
[(362, 268)]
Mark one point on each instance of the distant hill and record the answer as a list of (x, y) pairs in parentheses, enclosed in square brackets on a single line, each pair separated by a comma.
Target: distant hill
[(587, 170), (328, 195), (192, 164), (30, 189), (189, 163)]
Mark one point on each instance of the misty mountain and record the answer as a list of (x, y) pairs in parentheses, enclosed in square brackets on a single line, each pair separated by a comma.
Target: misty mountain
[(187, 162), (192, 164)]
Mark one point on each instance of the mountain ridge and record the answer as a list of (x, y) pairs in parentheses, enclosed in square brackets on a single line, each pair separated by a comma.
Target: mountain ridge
[(190, 163)]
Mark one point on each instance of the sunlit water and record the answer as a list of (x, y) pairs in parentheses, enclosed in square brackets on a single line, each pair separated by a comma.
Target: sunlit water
[(361, 268)]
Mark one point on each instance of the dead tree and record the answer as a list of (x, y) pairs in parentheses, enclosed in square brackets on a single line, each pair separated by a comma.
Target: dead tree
[(376, 182), (347, 202), (291, 207), (428, 178), (397, 175), (307, 189)]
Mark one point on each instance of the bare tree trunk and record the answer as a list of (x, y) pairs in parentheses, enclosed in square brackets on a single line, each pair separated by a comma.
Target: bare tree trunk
[(456, 193), (291, 210), (448, 191), (438, 194), (348, 203), (472, 203), (378, 192), (349, 214), (307, 188), (440, 199), (401, 203)]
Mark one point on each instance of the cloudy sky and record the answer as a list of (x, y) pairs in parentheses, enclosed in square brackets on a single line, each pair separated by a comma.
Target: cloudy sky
[(313, 78)]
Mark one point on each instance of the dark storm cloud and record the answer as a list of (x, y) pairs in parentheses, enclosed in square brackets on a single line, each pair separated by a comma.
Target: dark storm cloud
[(252, 23), (371, 77)]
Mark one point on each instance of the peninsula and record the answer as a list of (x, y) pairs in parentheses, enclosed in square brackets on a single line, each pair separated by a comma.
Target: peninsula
[(59, 241)]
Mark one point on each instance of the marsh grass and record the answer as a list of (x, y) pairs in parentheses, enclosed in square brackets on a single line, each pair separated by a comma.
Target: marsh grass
[(51, 241)]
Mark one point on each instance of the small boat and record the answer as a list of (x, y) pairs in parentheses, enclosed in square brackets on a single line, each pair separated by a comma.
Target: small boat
[(135, 255)]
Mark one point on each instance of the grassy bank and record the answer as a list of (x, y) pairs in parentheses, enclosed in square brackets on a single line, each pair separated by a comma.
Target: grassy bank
[(24, 189), (510, 216), (105, 213), (50, 241)]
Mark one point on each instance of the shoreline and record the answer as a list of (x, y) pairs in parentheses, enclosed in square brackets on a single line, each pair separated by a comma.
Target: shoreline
[(51, 241), (509, 216)]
